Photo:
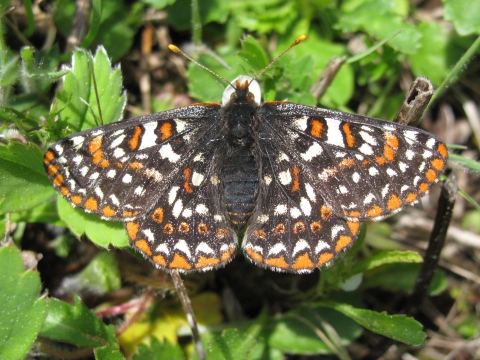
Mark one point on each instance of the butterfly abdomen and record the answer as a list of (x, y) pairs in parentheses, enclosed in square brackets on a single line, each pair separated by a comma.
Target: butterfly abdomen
[(241, 183)]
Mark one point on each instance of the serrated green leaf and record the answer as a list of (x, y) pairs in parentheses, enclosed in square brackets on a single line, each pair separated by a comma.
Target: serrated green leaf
[(22, 312), (106, 353), (158, 351), (384, 23), (78, 91), (397, 327), (253, 53), (234, 343), (23, 182), (464, 15), (101, 232), (76, 325)]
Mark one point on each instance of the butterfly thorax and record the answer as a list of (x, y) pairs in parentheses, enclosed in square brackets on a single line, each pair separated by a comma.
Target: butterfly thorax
[(241, 170)]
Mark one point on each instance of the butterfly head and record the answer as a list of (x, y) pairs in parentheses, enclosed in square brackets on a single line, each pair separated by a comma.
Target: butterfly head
[(246, 90)]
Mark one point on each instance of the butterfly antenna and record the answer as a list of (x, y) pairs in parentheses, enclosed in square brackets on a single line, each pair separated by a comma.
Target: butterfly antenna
[(177, 50), (297, 41)]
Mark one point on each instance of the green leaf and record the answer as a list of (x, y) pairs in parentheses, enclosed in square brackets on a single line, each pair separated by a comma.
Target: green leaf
[(76, 325), (385, 22), (405, 276), (180, 13), (101, 232), (158, 351), (397, 327), (234, 343), (45, 213), (253, 53), (8, 69), (431, 58), (464, 15), (101, 275), (23, 182), (22, 312), (297, 332), (106, 353), (468, 164), (78, 91), (387, 257)]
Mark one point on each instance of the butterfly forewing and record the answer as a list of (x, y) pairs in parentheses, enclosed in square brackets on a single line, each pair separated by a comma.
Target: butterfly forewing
[(117, 170), (363, 168)]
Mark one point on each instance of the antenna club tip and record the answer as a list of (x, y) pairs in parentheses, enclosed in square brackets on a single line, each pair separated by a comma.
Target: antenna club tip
[(299, 39), (174, 48)]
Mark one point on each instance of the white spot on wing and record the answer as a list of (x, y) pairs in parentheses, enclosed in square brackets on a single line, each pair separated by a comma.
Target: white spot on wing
[(334, 134), (305, 206), (366, 149), (149, 235), (280, 209), (117, 141), (166, 152), (172, 194), (118, 153), (295, 212), (149, 137), (205, 248), (177, 208), (285, 177), (277, 248), (201, 209), (127, 179), (183, 247), (301, 123), (163, 248), (197, 178), (111, 173), (310, 192), (313, 150), (300, 246)]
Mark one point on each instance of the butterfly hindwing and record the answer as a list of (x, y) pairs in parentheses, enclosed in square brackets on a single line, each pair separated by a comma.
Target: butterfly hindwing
[(188, 229)]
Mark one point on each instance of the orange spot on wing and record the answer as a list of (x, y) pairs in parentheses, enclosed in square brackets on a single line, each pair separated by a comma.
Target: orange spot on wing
[(187, 173), (354, 226), (160, 260), (315, 227), (95, 144), (58, 180), (52, 169), (389, 153), (279, 229), (166, 131), (204, 262), (227, 254), (127, 214), (277, 262), (202, 229), (221, 233), (132, 229), (347, 163), (342, 242), (442, 149), (324, 258), (374, 211), (317, 128), (394, 202), (431, 175), (354, 213), (303, 262), (168, 229), (76, 199), (411, 197), (49, 156), (144, 246), (108, 211), (260, 233), (135, 165), (254, 255), (423, 187), (296, 181), (91, 204), (391, 140), (299, 227), (135, 139), (325, 212), (438, 164), (104, 164), (157, 215), (183, 227), (179, 262), (64, 190), (348, 135)]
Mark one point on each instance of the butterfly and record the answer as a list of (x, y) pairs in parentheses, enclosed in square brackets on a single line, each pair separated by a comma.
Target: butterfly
[(296, 181)]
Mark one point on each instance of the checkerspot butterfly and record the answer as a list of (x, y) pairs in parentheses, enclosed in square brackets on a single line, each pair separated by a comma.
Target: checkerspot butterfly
[(295, 180)]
